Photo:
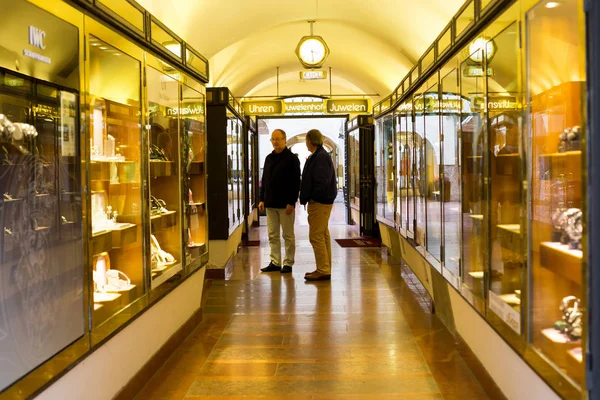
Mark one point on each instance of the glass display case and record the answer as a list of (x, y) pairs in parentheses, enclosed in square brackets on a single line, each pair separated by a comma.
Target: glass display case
[(193, 133), (225, 124), (556, 163), (360, 168), (116, 240), (474, 196), (166, 249), (384, 171), (41, 214), (491, 179)]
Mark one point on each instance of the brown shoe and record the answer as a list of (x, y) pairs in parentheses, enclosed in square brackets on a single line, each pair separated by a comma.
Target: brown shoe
[(318, 276), (310, 273)]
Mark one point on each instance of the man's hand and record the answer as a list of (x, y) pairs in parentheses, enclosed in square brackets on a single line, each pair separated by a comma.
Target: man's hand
[(289, 209), (261, 206)]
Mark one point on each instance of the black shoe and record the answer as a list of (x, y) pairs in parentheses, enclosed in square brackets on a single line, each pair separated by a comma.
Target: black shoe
[(270, 268), (286, 269)]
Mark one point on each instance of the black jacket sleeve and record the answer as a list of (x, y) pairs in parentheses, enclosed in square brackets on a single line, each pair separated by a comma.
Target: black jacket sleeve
[(264, 179), (295, 181)]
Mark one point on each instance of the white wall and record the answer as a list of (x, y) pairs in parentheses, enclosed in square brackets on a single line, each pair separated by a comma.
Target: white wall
[(106, 371), (512, 375)]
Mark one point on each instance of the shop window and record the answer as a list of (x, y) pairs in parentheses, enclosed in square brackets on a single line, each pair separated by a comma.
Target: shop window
[(193, 137), (555, 95), (165, 177), (116, 199), (432, 186), (452, 106), (474, 198), (41, 246)]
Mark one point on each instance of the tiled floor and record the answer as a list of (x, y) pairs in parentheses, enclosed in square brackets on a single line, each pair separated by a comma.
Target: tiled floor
[(367, 334)]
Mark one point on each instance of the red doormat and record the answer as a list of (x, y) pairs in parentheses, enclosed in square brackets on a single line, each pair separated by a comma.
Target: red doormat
[(359, 242)]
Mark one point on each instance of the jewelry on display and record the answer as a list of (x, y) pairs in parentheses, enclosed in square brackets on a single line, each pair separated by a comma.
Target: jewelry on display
[(157, 154), (569, 139), (570, 324), (160, 258), (157, 206)]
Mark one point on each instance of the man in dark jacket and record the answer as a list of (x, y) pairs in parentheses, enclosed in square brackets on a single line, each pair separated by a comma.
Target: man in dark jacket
[(278, 194), (319, 189)]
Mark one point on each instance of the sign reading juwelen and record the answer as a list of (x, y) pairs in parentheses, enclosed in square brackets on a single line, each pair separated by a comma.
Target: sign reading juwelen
[(344, 106)]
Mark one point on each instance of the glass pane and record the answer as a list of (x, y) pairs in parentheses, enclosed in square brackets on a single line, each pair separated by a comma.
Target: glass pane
[(114, 171), (355, 168), (388, 154), (433, 185), (196, 62), (506, 252), (231, 160), (445, 41), (398, 172), (465, 19), (380, 168), (428, 60), (193, 124), (473, 196), (239, 172), (41, 257), (420, 182), (128, 12), (165, 190), (451, 177), (250, 171), (557, 183), (163, 38), (405, 158), (410, 164)]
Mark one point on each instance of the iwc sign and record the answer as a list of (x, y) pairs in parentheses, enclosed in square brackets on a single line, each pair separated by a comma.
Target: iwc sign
[(36, 39)]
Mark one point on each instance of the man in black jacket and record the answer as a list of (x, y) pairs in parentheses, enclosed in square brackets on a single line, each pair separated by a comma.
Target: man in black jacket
[(278, 194), (319, 189)]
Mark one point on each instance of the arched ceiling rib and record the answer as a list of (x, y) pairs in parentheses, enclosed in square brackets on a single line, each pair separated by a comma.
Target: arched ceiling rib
[(373, 43)]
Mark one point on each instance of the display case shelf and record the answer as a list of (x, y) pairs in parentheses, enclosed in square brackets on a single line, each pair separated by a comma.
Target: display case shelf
[(561, 260), (158, 278), (163, 221), (196, 168), (511, 228), (574, 153), (162, 168)]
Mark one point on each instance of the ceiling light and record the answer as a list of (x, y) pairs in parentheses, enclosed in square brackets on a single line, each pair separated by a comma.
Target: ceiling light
[(103, 48), (552, 4), (117, 54), (95, 44)]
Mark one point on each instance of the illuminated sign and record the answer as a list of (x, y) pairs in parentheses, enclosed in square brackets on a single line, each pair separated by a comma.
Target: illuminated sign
[(312, 75), (347, 106), (305, 106), (263, 107), (476, 72), (431, 104), (36, 39), (329, 106), (186, 110)]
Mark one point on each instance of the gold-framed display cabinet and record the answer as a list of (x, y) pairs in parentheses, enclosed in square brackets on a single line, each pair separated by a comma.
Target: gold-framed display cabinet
[(482, 177), (103, 178), (226, 184), (251, 188), (360, 182)]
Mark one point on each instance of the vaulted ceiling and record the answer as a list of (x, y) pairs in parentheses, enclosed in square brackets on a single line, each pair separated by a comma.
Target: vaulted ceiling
[(373, 43)]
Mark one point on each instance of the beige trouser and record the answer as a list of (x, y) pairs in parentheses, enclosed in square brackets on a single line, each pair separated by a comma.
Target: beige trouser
[(318, 233), (276, 218)]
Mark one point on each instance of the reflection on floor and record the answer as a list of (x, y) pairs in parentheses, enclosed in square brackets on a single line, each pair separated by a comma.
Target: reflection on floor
[(367, 334)]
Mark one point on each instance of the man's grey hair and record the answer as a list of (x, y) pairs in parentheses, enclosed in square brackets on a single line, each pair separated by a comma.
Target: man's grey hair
[(315, 137), (282, 133)]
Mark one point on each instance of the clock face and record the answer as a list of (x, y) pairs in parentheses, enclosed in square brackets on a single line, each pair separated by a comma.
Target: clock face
[(312, 51), (479, 46)]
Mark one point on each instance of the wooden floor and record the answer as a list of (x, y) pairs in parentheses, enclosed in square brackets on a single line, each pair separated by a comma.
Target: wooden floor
[(367, 334)]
